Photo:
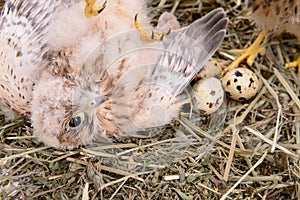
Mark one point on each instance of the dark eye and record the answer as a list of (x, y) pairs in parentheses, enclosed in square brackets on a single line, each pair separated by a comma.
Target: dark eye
[(76, 120)]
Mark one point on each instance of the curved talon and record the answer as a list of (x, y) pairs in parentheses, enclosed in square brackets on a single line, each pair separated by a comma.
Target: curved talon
[(135, 19), (163, 34), (152, 34), (147, 35), (169, 31), (92, 10)]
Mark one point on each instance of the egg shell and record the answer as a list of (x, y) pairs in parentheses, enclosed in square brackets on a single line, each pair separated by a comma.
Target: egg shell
[(240, 84), (211, 69), (209, 95)]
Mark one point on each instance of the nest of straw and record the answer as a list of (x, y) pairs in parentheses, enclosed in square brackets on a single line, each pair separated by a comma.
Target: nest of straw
[(255, 156)]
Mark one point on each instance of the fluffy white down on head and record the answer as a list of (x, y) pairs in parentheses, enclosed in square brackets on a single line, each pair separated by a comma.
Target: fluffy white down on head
[(50, 96)]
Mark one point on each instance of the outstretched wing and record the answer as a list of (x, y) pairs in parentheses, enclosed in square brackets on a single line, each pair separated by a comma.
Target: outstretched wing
[(149, 96), (188, 49), (23, 50)]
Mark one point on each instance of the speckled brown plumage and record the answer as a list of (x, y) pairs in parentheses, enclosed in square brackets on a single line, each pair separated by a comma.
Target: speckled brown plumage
[(277, 15), (89, 78)]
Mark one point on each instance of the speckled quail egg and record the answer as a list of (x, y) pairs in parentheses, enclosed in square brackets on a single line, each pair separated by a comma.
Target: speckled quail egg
[(209, 95), (240, 84), (210, 69)]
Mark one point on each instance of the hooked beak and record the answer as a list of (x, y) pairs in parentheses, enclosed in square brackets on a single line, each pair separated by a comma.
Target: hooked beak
[(100, 99)]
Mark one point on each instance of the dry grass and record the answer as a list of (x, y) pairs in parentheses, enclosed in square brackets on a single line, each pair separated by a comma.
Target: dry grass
[(256, 156)]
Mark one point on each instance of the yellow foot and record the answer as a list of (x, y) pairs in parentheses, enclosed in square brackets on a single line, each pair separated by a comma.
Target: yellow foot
[(250, 53), (92, 10), (295, 63), (150, 36)]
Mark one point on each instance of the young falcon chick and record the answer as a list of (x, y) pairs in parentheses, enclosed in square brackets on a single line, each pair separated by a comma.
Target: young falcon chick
[(275, 16), (125, 85), (34, 34), (100, 79)]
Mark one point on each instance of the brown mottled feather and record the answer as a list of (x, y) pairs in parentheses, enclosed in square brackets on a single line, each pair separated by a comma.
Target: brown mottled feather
[(277, 16)]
